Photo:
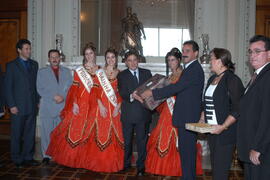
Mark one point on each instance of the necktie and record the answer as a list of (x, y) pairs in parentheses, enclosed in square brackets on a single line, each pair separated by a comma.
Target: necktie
[(135, 77), (253, 77), (27, 65)]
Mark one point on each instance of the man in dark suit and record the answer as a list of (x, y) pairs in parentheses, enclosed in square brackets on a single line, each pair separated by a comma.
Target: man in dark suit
[(1, 94), (253, 135), (22, 100), (133, 115), (188, 91)]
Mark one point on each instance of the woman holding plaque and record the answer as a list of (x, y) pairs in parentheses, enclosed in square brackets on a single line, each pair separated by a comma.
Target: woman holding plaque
[(162, 152), (70, 138), (105, 151), (221, 105)]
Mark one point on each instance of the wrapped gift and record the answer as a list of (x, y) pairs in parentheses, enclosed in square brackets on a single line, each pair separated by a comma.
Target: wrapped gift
[(199, 127), (156, 81)]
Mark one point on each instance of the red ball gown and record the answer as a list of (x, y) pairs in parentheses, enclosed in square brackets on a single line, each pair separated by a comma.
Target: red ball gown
[(87, 140), (106, 150), (163, 157)]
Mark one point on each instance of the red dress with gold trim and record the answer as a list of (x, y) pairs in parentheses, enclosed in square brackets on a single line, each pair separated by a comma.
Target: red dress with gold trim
[(70, 138), (105, 152), (163, 157)]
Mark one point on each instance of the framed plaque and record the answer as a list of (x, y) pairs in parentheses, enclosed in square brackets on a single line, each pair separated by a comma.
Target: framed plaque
[(156, 81)]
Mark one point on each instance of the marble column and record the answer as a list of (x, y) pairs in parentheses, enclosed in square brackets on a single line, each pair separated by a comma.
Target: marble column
[(229, 24)]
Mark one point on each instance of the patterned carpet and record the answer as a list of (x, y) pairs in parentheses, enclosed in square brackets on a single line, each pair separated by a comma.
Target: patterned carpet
[(58, 172)]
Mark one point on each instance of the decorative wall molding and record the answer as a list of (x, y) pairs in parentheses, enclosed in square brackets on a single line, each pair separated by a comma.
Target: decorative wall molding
[(246, 31), (76, 28)]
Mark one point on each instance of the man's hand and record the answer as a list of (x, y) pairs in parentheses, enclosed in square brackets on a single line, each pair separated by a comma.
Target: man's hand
[(254, 157), (14, 110), (135, 96), (146, 94), (58, 99)]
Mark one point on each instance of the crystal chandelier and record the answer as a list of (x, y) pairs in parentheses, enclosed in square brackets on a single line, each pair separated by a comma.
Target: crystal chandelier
[(152, 2)]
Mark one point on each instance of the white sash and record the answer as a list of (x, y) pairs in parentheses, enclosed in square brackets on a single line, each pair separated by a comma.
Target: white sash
[(107, 87), (170, 104), (85, 77)]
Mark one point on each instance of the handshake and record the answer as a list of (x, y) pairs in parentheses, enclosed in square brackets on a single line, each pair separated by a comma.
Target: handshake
[(144, 94)]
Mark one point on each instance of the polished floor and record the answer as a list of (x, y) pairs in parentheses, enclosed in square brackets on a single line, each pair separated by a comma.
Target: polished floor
[(58, 172)]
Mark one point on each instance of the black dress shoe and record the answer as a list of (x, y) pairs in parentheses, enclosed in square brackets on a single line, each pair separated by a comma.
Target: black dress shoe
[(46, 161), (125, 169), (140, 172), (31, 163), (19, 165)]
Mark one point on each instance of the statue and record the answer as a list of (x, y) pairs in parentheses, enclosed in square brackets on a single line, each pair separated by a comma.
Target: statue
[(132, 30), (205, 58), (59, 46)]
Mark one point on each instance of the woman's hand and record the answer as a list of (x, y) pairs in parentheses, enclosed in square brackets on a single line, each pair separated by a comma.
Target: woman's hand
[(116, 110), (217, 129), (202, 118), (75, 109), (102, 109)]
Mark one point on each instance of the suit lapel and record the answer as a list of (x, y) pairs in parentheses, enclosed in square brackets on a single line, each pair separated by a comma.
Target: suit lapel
[(259, 76), (21, 67), (52, 76), (141, 76)]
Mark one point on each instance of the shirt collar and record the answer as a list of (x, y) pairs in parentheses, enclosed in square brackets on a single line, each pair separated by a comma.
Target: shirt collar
[(23, 60), (260, 69), (136, 70), (186, 65)]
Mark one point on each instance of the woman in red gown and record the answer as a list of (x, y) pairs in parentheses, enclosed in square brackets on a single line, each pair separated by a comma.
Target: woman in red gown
[(163, 157), (105, 150), (70, 138)]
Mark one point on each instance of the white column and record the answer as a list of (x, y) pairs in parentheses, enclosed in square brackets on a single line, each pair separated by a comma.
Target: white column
[(229, 24), (67, 22), (34, 28), (48, 28)]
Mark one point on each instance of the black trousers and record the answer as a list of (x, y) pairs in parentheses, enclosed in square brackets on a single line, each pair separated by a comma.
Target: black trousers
[(259, 172), (22, 137), (221, 158), (141, 130), (187, 149)]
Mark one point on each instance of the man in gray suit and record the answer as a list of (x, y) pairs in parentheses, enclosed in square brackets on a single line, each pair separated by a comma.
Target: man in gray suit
[(53, 83)]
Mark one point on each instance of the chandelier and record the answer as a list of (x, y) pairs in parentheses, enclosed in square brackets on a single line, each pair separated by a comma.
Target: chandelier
[(152, 2)]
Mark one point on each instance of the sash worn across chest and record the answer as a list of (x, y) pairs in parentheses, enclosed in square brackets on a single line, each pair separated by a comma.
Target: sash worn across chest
[(107, 87), (85, 77), (170, 104)]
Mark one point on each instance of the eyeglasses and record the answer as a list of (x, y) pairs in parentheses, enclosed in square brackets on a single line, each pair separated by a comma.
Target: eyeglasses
[(256, 51)]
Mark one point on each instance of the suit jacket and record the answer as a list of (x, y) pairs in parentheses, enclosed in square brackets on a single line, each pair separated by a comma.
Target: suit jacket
[(20, 86), (188, 91), (254, 122), (1, 92), (226, 99), (134, 111), (48, 87)]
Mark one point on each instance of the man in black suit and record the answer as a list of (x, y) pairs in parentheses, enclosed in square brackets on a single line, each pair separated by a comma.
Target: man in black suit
[(133, 115), (188, 91), (253, 135), (1, 94), (22, 100)]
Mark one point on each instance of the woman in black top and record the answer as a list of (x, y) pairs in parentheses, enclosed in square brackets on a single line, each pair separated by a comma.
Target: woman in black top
[(221, 109)]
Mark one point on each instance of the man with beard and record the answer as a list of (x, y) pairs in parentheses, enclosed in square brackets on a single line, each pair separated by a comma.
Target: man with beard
[(53, 83)]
